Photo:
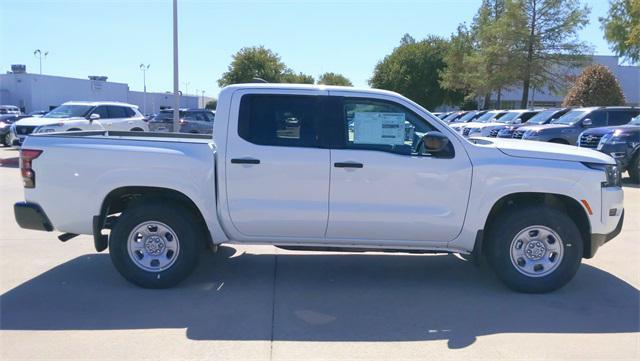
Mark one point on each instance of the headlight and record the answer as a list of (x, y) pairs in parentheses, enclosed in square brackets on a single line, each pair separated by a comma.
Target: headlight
[(474, 130), (3, 124), (530, 133), (612, 172), (618, 137)]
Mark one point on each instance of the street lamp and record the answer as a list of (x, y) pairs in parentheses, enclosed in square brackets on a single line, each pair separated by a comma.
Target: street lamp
[(144, 69), (203, 104), (39, 54), (186, 88)]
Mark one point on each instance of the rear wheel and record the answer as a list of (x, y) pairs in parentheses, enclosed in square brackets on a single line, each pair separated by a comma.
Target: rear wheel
[(136, 129), (634, 168), (155, 244), (6, 140), (535, 249)]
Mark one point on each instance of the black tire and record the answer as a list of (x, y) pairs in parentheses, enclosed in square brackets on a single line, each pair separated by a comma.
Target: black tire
[(181, 222), (509, 224), (74, 130), (634, 168), (5, 140), (136, 130)]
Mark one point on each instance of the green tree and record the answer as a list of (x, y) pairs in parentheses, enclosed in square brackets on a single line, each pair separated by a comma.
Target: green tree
[(289, 76), (480, 59), (334, 79), (412, 70), (547, 33), (595, 86), (212, 104), (252, 62), (622, 28)]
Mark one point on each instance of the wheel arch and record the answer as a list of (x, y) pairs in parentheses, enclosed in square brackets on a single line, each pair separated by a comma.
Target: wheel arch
[(121, 198), (567, 204)]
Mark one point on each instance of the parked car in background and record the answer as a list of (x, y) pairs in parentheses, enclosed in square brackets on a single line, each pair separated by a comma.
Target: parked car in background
[(163, 121), (74, 116), (197, 121), (453, 116), (567, 128), (544, 117), (621, 142), (9, 111), (487, 117), (5, 130), (275, 172), (512, 117), (470, 116)]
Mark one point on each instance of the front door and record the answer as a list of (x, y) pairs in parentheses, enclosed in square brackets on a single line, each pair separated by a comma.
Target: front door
[(382, 189), (277, 174)]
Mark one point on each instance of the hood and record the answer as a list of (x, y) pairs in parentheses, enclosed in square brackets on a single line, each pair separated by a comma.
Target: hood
[(38, 121), (542, 150), (543, 126), (604, 130)]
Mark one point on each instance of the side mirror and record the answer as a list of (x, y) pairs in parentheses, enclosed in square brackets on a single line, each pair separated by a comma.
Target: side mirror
[(518, 121), (587, 122), (434, 142), (94, 116)]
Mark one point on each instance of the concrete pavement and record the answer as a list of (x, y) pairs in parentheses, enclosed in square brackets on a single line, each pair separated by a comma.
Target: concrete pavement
[(260, 303)]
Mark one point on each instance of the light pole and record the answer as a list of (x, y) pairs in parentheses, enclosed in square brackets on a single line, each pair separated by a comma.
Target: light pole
[(186, 87), (38, 54), (203, 104), (176, 82), (144, 69), (197, 99)]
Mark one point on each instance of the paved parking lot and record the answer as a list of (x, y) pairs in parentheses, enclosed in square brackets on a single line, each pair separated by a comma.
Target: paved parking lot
[(66, 301)]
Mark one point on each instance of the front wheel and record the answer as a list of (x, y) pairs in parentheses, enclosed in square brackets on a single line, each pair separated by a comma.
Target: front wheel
[(6, 140), (535, 249), (155, 244)]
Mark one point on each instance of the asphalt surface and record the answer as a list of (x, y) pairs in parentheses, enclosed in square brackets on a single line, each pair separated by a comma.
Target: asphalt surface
[(64, 300)]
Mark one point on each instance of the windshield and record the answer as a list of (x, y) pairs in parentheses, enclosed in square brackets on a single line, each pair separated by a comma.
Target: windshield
[(69, 111), (488, 116), (542, 117), (635, 121), (451, 116), (571, 117), (466, 117), (509, 118)]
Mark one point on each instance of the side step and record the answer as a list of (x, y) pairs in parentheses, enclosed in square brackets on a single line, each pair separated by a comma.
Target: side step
[(358, 250)]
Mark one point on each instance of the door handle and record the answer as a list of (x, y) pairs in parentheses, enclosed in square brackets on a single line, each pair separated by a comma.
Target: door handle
[(348, 165), (245, 161)]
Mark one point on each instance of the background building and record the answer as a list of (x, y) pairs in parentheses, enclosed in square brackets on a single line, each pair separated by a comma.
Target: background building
[(32, 92)]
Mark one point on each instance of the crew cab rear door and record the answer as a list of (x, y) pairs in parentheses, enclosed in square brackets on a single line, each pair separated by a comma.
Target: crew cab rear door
[(381, 189), (276, 167)]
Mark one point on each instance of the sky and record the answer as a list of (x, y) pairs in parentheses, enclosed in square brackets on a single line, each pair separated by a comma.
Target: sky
[(113, 37)]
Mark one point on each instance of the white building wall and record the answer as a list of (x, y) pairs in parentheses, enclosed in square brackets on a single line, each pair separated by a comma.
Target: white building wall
[(33, 92)]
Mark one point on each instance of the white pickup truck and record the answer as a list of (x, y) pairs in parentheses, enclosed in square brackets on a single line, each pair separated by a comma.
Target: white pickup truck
[(323, 168)]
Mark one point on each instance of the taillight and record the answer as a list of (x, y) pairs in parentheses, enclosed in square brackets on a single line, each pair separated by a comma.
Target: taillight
[(28, 174)]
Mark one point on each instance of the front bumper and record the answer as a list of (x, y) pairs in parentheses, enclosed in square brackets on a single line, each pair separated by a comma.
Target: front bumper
[(598, 240), (31, 216)]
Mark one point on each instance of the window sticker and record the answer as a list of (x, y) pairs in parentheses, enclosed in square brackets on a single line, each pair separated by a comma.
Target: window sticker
[(379, 128)]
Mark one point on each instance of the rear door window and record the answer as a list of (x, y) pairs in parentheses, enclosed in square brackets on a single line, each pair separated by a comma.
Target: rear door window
[(117, 112), (102, 112), (620, 117), (280, 120)]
